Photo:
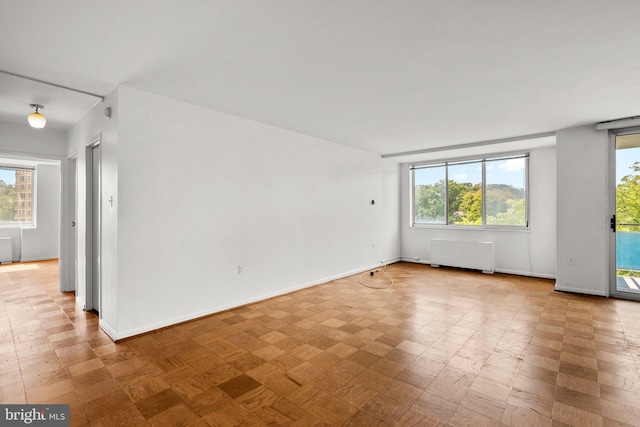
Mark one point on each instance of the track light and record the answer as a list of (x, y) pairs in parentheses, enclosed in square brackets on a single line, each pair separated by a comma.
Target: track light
[(37, 120)]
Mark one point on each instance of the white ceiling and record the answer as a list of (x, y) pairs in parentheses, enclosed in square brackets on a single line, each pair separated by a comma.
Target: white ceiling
[(386, 76)]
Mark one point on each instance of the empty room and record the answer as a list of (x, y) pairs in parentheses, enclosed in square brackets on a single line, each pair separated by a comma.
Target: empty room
[(307, 213)]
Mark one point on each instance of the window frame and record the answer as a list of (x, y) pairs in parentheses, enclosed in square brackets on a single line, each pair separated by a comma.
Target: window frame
[(483, 159), (33, 204)]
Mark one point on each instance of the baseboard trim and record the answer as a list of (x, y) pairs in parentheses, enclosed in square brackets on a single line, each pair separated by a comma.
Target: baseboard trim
[(581, 291), (526, 273), (388, 262), (107, 329), (192, 316), (497, 270), (415, 260), (46, 258)]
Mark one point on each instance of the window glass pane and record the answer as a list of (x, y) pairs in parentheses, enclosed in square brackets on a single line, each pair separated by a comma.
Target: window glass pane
[(465, 194), (15, 196), (429, 195), (506, 192)]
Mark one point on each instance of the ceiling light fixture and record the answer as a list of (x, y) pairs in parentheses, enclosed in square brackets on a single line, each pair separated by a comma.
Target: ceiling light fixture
[(37, 120)]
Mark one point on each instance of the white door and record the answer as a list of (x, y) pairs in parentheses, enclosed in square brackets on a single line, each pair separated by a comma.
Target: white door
[(68, 231)]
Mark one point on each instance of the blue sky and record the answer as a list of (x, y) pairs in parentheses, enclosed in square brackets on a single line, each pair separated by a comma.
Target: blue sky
[(509, 171), (8, 176), (503, 172)]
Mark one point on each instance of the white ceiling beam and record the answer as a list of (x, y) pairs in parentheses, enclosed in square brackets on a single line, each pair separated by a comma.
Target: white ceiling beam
[(619, 124)]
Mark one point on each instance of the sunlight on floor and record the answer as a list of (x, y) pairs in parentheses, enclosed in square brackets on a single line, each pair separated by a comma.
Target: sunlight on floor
[(8, 268)]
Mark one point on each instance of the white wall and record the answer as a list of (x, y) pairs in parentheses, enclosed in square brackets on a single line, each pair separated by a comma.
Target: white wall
[(22, 140), (582, 211), (201, 193), (96, 125), (198, 193), (518, 252), (389, 221), (43, 240)]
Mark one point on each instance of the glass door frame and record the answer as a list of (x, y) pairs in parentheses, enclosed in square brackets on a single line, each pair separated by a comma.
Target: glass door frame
[(613, 277)]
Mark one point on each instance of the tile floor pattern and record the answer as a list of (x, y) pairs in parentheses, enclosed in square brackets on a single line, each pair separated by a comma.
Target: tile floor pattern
[(440, 347)]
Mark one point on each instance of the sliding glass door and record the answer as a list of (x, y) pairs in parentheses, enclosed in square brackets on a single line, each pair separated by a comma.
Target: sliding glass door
[(625, 224)]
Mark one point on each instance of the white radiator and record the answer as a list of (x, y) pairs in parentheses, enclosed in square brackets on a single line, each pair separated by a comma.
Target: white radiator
[(464, 254), (6, 250)]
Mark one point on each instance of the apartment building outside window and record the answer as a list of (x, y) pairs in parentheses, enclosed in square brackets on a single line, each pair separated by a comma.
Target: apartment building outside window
[(16, 195)]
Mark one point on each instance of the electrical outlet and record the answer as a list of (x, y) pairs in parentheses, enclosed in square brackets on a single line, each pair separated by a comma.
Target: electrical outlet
[(571, 261), (240, 269)]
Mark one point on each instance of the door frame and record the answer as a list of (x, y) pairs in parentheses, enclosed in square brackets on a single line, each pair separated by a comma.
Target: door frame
[(68, 231), (613, 288), (88, 303)]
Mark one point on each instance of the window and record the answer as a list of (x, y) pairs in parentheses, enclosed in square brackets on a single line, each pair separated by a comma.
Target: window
[(16, 199), (479, 192), (430, 194)]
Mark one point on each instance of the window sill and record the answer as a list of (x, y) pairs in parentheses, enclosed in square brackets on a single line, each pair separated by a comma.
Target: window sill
[(519, 229)]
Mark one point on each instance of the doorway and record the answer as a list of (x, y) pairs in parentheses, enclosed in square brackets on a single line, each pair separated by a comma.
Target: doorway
[(93, 233), (625, 222)]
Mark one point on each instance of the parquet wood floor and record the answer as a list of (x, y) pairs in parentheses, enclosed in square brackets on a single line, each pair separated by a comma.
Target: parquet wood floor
[(440, 347)]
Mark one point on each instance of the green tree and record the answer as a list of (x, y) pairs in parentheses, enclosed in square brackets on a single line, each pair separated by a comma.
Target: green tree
[(628, 199), (471, 207), (7, 202), (513, 215), (505, 205), (430, 202), (464, 203), (498, 195), (457, 210)]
